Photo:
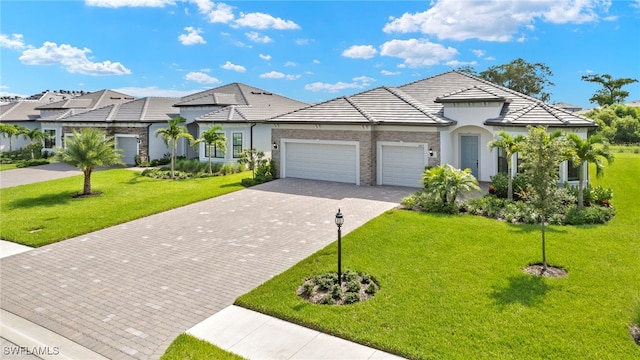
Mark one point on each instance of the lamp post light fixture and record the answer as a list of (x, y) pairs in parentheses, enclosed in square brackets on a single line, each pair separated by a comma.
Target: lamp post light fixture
[(339, 222)]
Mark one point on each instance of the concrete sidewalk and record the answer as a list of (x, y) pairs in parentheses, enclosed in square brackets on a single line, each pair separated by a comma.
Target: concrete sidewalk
[(257, 336)]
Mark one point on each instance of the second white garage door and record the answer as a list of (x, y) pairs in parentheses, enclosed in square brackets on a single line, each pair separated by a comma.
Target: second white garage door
[(401, 165), (129, 146), (321, 161)]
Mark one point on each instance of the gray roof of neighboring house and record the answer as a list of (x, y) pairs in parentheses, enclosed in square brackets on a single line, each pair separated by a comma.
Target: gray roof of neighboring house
[(422, 103), (146, 110), (20, 111), (238, 94), (89, 101)]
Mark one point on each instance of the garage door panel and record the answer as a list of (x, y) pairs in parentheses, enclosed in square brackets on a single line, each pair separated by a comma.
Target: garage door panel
[(329, 162), (129, 147), (402, 165)]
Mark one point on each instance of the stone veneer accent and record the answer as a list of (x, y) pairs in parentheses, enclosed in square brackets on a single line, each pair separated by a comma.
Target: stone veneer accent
[(112, 131), (367, 139)]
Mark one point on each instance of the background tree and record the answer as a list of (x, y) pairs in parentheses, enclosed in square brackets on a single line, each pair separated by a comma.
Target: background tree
[(611, 92), (213, 138), (171, 135), (618, 123), (35, 137), (509, 146), (593, 150), (542, 154), (87, 150), (9, 131), (521, 76)]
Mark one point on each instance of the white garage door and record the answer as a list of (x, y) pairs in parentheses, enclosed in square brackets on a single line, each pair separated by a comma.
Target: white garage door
[(402, 165), (329, 162), (129, 146)]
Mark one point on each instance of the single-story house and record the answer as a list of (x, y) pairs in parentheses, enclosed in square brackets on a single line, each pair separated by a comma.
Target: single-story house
[(387, 135), (241, 110)]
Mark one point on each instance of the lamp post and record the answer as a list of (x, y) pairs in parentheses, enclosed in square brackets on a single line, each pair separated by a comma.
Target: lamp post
[(339, 222)]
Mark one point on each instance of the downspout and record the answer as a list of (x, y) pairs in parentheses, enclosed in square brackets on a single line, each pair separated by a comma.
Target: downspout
[(149, 142), (251, 136)]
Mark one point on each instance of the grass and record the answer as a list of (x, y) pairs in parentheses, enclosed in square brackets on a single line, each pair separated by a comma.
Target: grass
[(8, 166), (43, 213), (452, 286), (630, 148), (187, 347)]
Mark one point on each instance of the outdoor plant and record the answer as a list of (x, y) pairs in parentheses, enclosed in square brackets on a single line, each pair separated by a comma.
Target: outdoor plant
[(212, 138), (262, 168), (171, 135), (510, 146), (593, 150), (87, 150), (36, 138), (325, 288)]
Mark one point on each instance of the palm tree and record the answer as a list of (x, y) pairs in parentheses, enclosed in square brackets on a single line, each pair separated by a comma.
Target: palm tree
[(510, 146), (213, 138), (447, 182), (593, 150), (35, 136), (88, 149), (9, 131), (171, 135)]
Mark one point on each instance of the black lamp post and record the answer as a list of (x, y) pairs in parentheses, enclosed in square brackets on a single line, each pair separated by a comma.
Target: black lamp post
[(339, 222)]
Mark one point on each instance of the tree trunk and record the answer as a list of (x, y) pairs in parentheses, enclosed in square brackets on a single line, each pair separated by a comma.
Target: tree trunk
[(544, 250), (580, 188), (174, 145), (210, 148), (510, 187), (87, 182)]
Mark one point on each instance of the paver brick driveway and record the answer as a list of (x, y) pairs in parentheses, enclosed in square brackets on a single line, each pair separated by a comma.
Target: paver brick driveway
[(127, 291)]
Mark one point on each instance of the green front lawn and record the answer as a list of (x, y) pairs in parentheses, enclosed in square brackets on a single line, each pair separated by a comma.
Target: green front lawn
[(187, 347), (42, 213), (452, 287), (8, 166)]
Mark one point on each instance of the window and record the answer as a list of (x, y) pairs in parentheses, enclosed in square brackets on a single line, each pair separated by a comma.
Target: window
[(573, 173), (50, 139), (237, 144), (217, 152), (503, 166)]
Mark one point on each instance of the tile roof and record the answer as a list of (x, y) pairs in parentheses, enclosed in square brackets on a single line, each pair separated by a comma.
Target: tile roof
[(20, 111), (422, 103), (89, 101), (238, 94), (144, 110)]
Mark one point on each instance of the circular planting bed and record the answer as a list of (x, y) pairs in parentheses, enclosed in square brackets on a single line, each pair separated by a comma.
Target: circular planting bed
[(325, 288), (634, 330), (551, 272)]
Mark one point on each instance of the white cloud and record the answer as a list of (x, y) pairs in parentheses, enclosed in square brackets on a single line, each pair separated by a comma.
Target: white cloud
[(154, 91), (479, 53), (265, 57), (457, 63), (495, 20), (201, 78), (417, 52), (73, 59), (389, 73), (302, 42), (316, 61), (229, 66), (16, 41), (255, 37), (262, 21), (204, 6), (290, 64), (357, 83), (218, 13), (192, 36), (129, 3), (278, 75), (360, 52)]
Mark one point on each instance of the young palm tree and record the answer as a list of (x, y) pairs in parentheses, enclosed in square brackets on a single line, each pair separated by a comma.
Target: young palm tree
[(510, 146), (9, 131), (88, 149), (171, 135), (593, 150), (213, 138), (447, 182), (35, 136)]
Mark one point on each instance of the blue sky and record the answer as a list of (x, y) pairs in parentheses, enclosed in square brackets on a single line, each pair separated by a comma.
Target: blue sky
[(308, 50)]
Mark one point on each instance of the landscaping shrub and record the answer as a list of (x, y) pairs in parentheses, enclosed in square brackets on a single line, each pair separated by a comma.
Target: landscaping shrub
[(165, 174), (27, 163), (351, 298), (499, 186), (353, 286), (588, 215), (429, 202), (371, 289)]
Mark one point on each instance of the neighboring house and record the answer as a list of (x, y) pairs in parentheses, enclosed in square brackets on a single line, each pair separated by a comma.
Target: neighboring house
[(241, 110), (52, 115), (25, 113), (568, 107), (387, 135)]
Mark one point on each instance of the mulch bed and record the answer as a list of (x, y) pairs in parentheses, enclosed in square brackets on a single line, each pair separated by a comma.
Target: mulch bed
[(634, 331), (552, 271)]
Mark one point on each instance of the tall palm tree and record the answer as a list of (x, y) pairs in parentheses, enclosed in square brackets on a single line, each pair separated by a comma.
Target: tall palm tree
[(9, 131), (593, 150), (213, 138), (510, 145), (171, 135), (35, 136), (88, 149)]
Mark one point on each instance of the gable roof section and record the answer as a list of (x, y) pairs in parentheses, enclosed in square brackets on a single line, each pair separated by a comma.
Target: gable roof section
[(239, 94), (541, 114), (380, 105), (473, 94), (20, 111), (145, 110), (89, 101)]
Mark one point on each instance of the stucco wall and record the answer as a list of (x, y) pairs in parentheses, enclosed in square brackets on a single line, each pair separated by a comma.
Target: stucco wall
[(140, 132)]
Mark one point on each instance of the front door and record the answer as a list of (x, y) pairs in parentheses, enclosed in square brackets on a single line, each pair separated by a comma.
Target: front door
[(469, 153)]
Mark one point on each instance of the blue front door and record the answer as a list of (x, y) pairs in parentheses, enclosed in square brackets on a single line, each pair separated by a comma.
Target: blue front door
[(469, 153)]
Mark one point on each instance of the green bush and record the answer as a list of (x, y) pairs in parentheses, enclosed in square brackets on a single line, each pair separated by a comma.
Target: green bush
[(499, 186), (27, 163), (326, 281), (165, 174), (336, 292), (327, 300), (307, 288), (371, 289), (589, 215), (351, 298), (353, 286)]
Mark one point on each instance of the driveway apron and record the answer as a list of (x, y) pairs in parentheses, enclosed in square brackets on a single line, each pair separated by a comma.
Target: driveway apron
[(29, 175), (127, 291)]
